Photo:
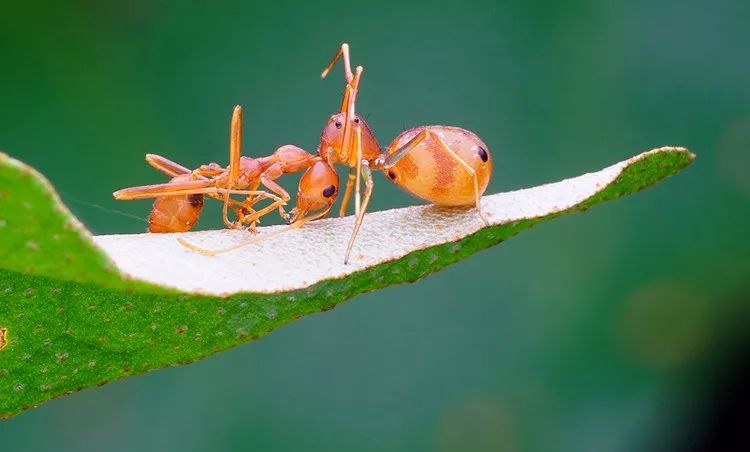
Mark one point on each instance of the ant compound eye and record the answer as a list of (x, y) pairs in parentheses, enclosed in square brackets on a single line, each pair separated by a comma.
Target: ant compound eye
[(338, 124), (356, 120), (329, 191), (391, 174), (482, 153)]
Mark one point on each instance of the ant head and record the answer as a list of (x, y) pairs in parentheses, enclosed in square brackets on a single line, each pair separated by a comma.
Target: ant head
[(317, 191), (332, 140)]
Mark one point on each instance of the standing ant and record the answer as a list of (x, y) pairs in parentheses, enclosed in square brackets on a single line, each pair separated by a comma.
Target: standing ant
[(447, 166), (178, 203)]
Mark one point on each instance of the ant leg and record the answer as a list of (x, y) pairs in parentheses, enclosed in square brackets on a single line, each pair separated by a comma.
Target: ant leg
[(354, 176), (390, 160), (363, 169), (268, 180), (224, 211), (357, 197), (247, 215), (347, 192), (165, 165), (470, 170), (239, 208), (235, 145), (369, 184)]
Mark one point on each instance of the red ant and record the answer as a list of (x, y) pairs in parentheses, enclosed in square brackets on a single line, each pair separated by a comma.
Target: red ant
[(179, 202)]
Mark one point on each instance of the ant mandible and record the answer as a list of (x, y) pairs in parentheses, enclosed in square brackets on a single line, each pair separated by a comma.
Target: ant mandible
[(444, 165)]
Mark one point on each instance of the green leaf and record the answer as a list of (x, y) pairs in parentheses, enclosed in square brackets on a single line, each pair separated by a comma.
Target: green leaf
[(80, 311)]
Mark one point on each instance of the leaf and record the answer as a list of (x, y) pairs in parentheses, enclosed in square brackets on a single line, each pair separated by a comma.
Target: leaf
[(79, 311)]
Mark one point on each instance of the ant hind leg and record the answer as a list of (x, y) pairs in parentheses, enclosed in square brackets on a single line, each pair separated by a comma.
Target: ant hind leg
[(469, 169), (348, 192)]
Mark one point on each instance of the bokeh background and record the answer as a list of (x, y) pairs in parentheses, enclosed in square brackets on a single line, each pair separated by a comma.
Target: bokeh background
[(624, 328)]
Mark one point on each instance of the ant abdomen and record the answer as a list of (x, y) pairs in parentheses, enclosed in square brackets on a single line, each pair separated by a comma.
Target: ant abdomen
[(432, 171), (175, 213)]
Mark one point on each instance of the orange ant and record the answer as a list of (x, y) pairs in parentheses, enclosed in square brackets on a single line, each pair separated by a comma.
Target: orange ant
[(178, 203), (447, 166)]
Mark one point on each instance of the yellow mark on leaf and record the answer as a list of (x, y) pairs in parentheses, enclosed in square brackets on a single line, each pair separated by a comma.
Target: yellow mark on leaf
[(3, 336)]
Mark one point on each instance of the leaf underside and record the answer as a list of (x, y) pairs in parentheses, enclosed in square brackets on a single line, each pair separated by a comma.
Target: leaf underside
[(80, 311)]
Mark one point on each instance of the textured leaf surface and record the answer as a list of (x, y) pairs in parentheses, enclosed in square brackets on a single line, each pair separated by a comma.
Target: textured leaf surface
[(80, 311)]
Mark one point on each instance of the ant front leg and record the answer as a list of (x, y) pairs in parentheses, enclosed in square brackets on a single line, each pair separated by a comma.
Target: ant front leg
[(242, 211), (353, 179), (363, 169), (348, 191), (268, 180), (369, 185)]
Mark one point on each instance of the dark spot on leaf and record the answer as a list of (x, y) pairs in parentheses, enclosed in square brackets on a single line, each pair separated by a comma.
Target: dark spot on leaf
[(181, 329)]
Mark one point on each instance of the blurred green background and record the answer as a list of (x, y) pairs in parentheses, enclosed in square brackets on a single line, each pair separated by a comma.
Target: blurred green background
[(620, 329)]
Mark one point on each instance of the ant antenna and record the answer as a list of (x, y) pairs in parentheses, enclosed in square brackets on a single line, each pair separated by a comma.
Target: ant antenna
[(297, 224)]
